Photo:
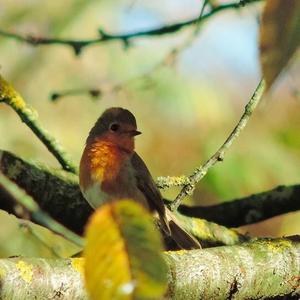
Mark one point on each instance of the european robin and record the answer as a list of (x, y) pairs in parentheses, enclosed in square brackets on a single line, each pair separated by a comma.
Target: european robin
[(110, 169)]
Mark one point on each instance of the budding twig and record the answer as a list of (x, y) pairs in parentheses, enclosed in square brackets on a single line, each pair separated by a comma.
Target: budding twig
[(79, 45), (200, 172), (10, 96)]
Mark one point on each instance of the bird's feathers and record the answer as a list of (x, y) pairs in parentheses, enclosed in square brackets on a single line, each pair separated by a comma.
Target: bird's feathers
[(111, 170), (168, 221)]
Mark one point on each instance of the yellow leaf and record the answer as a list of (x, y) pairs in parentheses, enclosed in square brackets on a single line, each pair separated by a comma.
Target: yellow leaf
[(124, 254), (279, 36)]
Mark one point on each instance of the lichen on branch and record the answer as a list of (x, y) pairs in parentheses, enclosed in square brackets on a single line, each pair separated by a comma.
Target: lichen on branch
[(261, 269), (58, 194), (218, 156), (12, 98)]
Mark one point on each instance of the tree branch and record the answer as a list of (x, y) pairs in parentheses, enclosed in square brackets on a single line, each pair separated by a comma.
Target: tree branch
[(258, 270), (58, 194), (164, 182), (95, 93), (265, 268), (78, 45), (209, 233), (40, 278), (9, 96), (249, 210), (14, 193), (200, 172)]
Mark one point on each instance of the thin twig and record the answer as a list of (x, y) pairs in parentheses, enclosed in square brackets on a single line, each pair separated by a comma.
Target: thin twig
[(205, 3), (10, 96), (164, 182), (34, 210), (78, 45), (168, 59), (27, 229), (200, 172), (94, 93)]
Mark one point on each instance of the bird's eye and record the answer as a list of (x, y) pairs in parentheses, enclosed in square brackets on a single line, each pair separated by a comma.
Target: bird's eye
[(114, 127)]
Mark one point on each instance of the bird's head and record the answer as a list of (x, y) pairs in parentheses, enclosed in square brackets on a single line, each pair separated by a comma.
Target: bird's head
[(116, 126)]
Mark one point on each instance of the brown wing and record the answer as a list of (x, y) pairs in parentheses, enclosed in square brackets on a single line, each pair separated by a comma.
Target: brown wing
[(147, 186), (168, 222)]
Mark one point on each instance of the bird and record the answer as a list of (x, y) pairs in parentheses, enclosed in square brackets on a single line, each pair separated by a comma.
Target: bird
[(110, 169)]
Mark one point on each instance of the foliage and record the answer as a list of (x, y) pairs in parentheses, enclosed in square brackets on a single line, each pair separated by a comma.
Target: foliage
[(123, 251), (123, 254)]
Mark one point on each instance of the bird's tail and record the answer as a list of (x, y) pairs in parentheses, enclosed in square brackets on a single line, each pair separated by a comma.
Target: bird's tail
[(182, 238)]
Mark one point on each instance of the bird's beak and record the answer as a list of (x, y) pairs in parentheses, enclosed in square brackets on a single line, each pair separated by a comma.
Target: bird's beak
[(134, 132)]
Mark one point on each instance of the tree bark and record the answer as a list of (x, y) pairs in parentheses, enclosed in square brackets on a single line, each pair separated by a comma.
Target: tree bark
[(249, 210), (262, 269), (58, 193)]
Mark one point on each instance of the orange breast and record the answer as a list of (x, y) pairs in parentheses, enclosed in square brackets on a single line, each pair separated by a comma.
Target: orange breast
[(101, 161), (106, 173)]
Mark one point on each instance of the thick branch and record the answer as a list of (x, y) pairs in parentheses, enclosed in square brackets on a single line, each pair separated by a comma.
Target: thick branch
[(12, 98), (39, 278), (209, 233), (200, 172), (257, 270), (78, 45), (24, 204), (249, 210), (58, 194)]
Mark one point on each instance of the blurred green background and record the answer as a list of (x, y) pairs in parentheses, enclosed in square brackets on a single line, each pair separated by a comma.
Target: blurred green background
[(185, 109)]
